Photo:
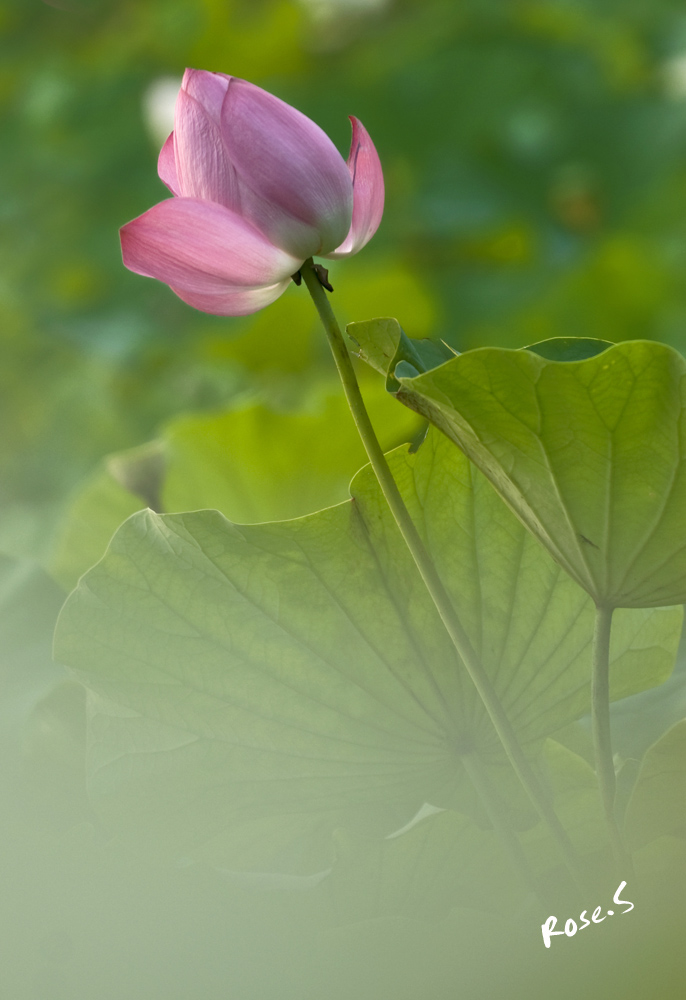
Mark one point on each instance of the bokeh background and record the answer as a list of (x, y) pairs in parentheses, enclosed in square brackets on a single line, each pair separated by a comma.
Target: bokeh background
[(534, 153), (535, 162)]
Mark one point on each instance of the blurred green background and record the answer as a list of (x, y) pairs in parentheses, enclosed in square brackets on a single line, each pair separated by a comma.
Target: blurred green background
[(535, 163)]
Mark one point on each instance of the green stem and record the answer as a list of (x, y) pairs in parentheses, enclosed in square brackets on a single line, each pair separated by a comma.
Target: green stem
[(494, 810), (428, 571), (602, 738)]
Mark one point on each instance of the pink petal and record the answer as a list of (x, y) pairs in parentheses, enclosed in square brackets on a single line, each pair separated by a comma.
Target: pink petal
[(202, 249), (294, 183), (208, 89), (203, 166), (234, 302), (368, 192), (166, 166)]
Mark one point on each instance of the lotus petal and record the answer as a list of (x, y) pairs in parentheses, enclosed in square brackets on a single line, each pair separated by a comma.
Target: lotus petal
[(205, 252), (204, 169), (368, 192), (295, 185), (166, 166)]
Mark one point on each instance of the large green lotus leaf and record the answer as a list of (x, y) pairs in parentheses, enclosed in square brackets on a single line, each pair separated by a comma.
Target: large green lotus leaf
[(54, 754), (657, 807), (115, 490), (252, 464), (255, 464), (447, 860), (641, 720), (589, 454), (299, 670)]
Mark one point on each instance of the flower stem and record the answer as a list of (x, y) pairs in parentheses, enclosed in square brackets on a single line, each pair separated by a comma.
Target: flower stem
[(602, 739), (428, 571)]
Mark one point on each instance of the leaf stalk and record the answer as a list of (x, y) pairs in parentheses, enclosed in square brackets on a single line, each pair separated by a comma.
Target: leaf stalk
[(429, 574), (602, 736)]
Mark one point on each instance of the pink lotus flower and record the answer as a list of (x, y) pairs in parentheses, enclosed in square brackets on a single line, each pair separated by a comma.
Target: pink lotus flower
[(258, 189)]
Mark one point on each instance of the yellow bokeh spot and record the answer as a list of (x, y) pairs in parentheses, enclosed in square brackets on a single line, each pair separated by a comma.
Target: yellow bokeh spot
[(512, 245), (75, 284)]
